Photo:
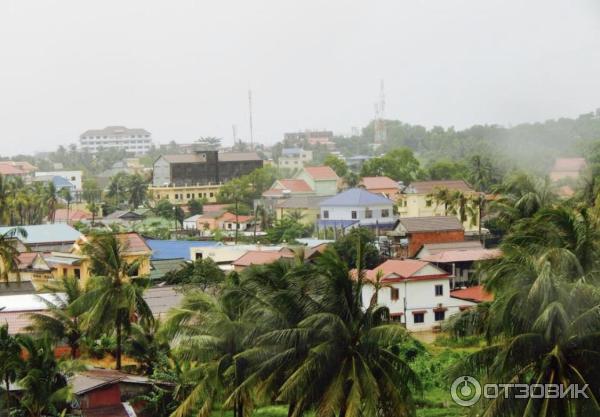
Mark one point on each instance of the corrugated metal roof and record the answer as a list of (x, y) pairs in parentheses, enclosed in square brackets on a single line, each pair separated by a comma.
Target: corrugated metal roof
[(16, 288), (46, 233), (159, 268), (430, 224), (176, 249), (301, 201), (356, 197)]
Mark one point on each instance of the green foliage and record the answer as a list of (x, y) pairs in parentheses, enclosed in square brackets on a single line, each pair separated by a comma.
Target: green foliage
[(346, 246), (447, 170), (248, 187), (338, 165), (398, 164), (196, 206), (286, 230), (127, 189), (202, 273)]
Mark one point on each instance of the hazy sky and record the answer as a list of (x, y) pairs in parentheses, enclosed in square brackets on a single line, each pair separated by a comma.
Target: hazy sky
[(182, 68)]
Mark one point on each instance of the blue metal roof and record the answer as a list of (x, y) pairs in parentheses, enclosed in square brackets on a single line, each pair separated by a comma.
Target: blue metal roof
[(46, 233), (176, 249), (356, 197)]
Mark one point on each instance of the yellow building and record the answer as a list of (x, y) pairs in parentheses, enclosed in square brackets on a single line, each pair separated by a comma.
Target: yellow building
[(417, 200), (184, 194), (303, 208)]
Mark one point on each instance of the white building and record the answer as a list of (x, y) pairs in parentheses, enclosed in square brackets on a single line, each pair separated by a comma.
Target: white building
[(356, 207), (294, 158), (136, 141), (74, 177), (417, 293)]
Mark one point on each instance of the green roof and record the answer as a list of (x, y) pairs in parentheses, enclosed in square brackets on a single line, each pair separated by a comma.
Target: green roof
[(161, 267)]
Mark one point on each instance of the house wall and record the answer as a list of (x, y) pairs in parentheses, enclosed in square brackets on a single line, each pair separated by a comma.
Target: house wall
[(101, 397), (161, 175), (345, 213), (417, 240), (418, 295), (421, 205), (74, 177), (183, 195), (310, 215)]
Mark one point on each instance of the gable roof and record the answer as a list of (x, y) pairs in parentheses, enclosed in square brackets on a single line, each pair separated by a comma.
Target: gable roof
[(356, 197), (466, 255), (428, 187), (370, 183), (46, 233), (230, 217), (176, 249), (75, 215), (569, 164), (160, 267), (429, 224), (395, 269), (476, 294), (16, 288), (292, 185), (255, 257), (301, 201), (321, 173), (133, 242)]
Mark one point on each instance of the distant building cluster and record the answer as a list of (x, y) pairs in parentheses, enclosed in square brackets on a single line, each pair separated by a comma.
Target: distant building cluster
[(136, 141)]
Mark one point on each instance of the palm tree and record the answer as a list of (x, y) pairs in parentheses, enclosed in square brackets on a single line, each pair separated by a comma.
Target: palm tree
[(114, 298), (9, 254), (10, 361), (65, 194), (62, 320), (145, 347), (443, 196), (137, 189), (45, 388), (347, 367)]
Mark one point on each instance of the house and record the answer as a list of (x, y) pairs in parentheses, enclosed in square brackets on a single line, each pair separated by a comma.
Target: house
[(60, 183), (68, 265), (177, 249), (321, 179), (70, 216), (161, 267), (312, 137), (287, 188), (22, 169), (225, 221), (305, 208), (73, 177), (457, 258), (258, 257), (356, 207), (46, 237), (417, 200), (567, 168), (225, 255), (294, 158), (230, 222), (411, 233), (416, 293), (381, 185)]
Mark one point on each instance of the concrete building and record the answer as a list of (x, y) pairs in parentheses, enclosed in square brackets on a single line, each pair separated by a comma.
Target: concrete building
[(294, 158), (322, 179), (136, 141), (417, 293), (411, 233), (381, 185), (74, 177)]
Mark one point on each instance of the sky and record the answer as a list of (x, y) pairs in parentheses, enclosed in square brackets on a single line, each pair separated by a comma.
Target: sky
[(182, 69)]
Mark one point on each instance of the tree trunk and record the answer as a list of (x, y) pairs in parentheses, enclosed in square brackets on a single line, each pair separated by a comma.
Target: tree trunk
[(240, 406), (7, 382), (291, 407), (118, 345)]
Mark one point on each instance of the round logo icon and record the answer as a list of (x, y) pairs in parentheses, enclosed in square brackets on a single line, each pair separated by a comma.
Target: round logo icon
[(465, 391)]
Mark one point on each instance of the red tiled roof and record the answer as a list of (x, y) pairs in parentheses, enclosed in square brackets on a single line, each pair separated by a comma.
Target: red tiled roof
[(255, 257), (7, 169), (74, 215), (133, 242), (230, 217), (569, 164), (26, 259), (405, 268), (321, 173), (475, 294), (295, 185), (468, 255), (375, 183), (210, 208)]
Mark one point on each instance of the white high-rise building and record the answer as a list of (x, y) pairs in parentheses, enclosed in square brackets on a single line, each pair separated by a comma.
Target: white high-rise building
[(136, 141)]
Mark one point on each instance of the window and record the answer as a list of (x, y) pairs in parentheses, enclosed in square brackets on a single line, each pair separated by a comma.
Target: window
[(419, 318), (198, 255), (353, 214), (404, 203), (428, 203), (368, 214), (439, 290), (211, 195), (385, 213), (65, 272), (325, 214), (229, 226), (77, 273), (396, 317), (394, 294), (187, 195), (440, 315)]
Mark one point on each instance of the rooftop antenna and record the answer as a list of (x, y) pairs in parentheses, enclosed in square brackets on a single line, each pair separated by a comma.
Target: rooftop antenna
[(251, 127)]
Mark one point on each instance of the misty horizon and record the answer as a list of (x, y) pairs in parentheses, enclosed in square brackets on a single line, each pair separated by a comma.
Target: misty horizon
[(184, 72)]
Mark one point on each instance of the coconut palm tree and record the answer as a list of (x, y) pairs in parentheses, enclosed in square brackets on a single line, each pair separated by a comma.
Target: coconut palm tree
[(10, 361), (145, 346), (9, 254), (443, 196), (45, 388), (62, 319), (114, 299)]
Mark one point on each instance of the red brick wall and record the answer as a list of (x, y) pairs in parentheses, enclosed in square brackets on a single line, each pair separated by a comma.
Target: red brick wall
[(101, 397), (417, 240)]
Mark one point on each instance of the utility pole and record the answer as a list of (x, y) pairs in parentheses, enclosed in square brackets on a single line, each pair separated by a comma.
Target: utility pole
[(379, 125), (234, 130), (250, 115)]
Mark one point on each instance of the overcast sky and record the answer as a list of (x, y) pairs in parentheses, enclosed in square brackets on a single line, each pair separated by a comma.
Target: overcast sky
[(182, 69)]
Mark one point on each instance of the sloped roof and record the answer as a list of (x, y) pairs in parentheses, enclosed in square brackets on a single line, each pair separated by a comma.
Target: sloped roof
[(402, 269), (356, 197), (209, 208), (91, 379), (16, 288), (321, 173), (176, 249), (254, 257), (301, 201), (160, 267), (295, 185), (430, 224), (162, 299), (476, 294), (569, 164), (375, 183), (46, 233), (428, 187), (6, 169), (133, 242), (230, 217), (74, 215), (433, 248), (467, 255)]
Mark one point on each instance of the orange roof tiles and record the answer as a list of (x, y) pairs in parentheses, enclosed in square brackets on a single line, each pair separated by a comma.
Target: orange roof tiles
[(375, 183), (295, 185), (255, 257), (230, 217), (74, 215), (476, 294), (133, 242), (404, 269), (321, 173)]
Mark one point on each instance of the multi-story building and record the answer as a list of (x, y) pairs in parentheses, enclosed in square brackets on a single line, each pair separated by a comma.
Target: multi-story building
[(313, 137), (74, 177), (182, 178), (294, 158), (136, 141)]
